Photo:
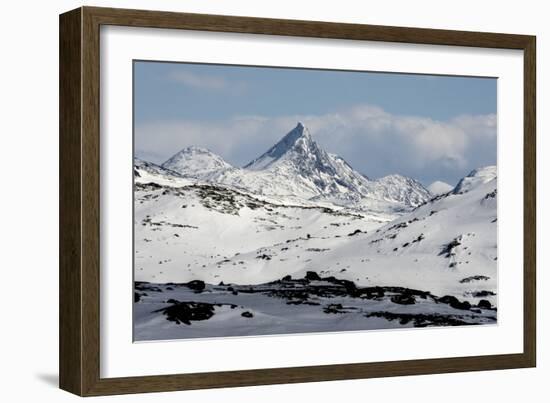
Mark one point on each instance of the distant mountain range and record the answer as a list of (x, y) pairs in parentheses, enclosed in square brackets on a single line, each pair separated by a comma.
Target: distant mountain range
[(298, 168)]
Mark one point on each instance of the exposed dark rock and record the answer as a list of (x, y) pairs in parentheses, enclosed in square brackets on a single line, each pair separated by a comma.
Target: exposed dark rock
[(347, 284), (197, 285), (372, 292), (399, 225), (150, 185), (144, 286), (448, 249), (454, 302), (187, 312), (491, 195), (312, 276), (474, 278), (483, 293), (484, 304), (247, 314), (403, 299)]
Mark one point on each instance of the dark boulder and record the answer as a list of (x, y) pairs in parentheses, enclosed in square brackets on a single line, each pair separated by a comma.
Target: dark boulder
[(484, 304), (312, 276), (186, 312), (454, 302), (197, 285)]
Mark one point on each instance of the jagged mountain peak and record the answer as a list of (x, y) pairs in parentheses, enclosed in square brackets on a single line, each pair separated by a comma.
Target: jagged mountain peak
[(297, 161), (299, 133), (298, 140)]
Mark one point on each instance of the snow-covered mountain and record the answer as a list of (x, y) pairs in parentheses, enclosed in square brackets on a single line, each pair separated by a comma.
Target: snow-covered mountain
[(297, 155), (296, 167), (400, 189), (196, 162), (475, 178), (439, 187)]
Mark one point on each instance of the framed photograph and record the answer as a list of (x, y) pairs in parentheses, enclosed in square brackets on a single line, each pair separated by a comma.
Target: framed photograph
[(250, 201)]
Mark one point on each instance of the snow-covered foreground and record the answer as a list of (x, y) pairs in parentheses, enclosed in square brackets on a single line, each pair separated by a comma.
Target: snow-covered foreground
[(310, 304), (246, 247)]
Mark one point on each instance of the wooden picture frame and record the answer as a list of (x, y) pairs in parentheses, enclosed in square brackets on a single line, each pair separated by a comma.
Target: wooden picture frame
[(79, 346)]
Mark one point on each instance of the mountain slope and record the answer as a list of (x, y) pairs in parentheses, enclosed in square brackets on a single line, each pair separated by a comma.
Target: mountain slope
[(146, 172), (189, 232), (447, 246)]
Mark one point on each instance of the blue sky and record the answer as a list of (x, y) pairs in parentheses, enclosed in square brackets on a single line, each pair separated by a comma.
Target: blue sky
[(427, 127)]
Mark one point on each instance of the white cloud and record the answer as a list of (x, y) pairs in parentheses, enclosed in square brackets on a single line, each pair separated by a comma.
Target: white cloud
[(371, 139), (481, 126)]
